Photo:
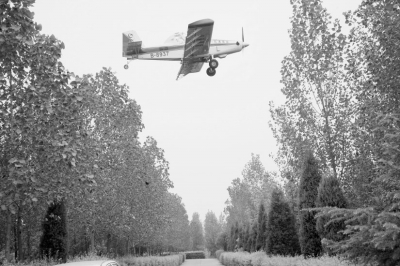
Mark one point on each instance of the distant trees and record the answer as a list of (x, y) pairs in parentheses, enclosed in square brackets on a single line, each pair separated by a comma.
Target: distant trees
[(196, 233), (212, 229)]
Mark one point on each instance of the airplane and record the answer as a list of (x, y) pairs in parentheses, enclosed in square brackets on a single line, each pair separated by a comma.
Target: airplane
[(192, 50)]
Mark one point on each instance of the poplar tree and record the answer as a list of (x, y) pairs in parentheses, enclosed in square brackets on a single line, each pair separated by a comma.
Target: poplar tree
[(310, 241)]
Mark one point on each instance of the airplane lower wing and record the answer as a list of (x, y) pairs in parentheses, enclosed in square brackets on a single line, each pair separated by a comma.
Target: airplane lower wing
[(189, 67), (197, 45)]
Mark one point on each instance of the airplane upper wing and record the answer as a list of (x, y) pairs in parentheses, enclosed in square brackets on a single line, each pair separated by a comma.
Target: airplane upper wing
[(197, 45)]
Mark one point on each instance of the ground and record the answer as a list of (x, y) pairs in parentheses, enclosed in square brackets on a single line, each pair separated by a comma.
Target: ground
[(202, 262)]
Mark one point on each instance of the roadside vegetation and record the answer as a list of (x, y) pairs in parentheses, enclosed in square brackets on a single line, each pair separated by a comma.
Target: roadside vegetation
[(338, 136), (74, 177)]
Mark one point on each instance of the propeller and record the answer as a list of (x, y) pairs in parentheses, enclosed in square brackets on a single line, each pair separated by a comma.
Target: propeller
[(242, 35)]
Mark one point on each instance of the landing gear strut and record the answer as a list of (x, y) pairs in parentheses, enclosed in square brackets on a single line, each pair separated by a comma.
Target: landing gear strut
[(213, 65)]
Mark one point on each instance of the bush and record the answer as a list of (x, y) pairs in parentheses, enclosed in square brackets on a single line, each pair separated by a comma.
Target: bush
[(262, 259), (218, 253), (172, 260), (195, 255)]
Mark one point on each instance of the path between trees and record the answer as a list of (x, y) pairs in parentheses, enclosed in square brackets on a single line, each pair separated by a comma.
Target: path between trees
[(202, 262)]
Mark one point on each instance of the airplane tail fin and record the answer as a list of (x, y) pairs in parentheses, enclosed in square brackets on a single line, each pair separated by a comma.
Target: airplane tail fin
[(131, 43)]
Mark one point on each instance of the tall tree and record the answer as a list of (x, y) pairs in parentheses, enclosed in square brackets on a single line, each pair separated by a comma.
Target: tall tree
[(319, 108), (310, 241), (281, 226), (196, 232), (373, 230), (211, 231)]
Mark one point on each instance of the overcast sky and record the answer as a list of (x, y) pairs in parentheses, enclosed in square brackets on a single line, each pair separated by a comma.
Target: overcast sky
[(208, 126)]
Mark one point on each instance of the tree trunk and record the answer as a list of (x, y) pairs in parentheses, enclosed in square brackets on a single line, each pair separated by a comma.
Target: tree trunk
[(8, 236), (91, 239), (108, 243), (18, 231), (28, 243)]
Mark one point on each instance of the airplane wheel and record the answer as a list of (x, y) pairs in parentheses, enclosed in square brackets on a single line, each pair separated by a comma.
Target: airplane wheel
[(213, 63), (211, 71), (126, 66)]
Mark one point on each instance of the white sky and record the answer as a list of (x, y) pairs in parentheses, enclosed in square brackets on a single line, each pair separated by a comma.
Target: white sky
[(208, 126)]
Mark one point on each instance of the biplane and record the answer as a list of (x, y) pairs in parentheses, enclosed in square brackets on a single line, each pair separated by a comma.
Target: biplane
[(192, 50)]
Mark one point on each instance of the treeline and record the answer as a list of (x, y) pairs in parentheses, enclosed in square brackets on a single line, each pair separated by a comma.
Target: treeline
[(70, 148), (342, 119)]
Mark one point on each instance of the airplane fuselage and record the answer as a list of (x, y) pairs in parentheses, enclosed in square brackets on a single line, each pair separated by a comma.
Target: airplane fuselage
[(218, 49), (192, 50)]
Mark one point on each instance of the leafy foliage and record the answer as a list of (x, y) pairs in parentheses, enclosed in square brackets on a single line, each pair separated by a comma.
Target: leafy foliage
[(76, 138)]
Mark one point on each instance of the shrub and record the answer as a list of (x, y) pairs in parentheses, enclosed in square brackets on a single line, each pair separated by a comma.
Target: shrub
[(261, 259), (218, 253), (195, 255), (172, 260)]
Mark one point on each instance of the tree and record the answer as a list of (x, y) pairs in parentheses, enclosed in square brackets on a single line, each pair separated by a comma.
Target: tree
[(372, 231), (196, 232), (320, 107), (246, 193), (41, 126), (282, 234), (310, 241), (222, 241), (54, 243), (253, 236), (211, 230), (330, 195), (262, 228)]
